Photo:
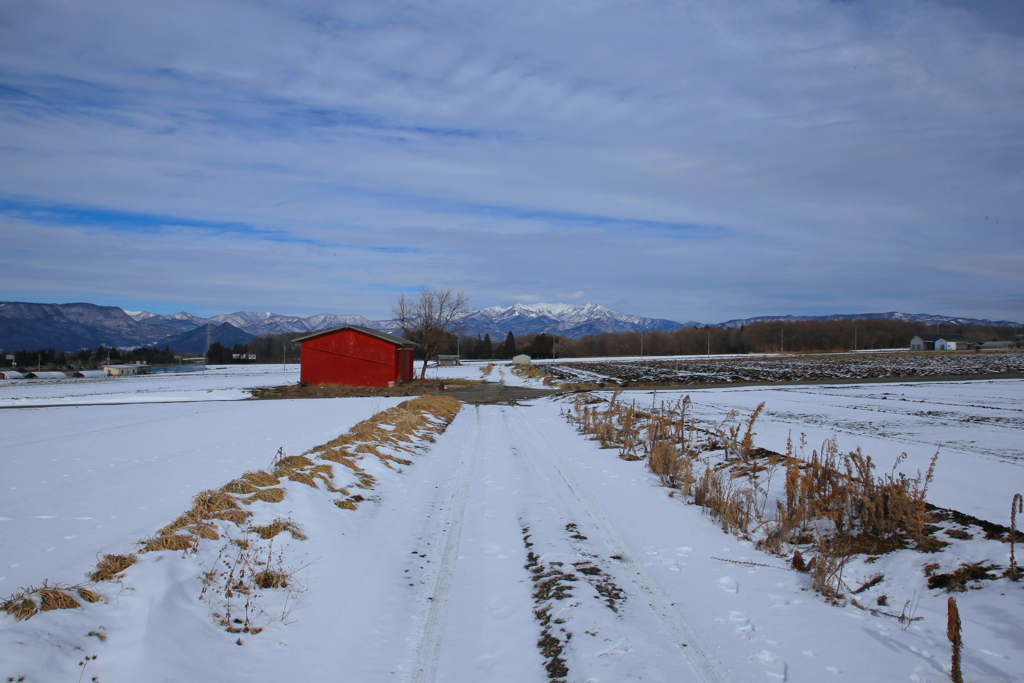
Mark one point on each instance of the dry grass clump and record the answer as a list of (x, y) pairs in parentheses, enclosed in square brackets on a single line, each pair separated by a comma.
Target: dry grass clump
[(266, 496), (842, 488), (109, 566), (271, 578), (28, 602), (207, 504), (261, 479), (345, 504), (239, 487), (87, 594), (175, 542), (339, 456), (268, 531)]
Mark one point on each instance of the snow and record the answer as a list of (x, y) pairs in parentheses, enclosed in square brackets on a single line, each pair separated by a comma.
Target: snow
[(216, 383), (82, 480), (428, 579)]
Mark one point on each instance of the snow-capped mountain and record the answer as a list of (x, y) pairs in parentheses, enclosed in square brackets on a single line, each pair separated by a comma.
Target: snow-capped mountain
[(925, 319), (74, 326), (576, 320)]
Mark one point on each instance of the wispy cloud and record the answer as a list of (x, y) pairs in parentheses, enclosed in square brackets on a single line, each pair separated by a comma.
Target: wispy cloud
[(689, 161)]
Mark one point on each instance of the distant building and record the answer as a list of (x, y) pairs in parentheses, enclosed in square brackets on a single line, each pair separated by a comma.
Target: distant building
[(522, 359), (126, 370), (950, 342), (939, 342), (355, 356)]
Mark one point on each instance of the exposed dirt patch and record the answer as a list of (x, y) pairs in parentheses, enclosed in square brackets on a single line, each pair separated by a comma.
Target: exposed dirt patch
[(413, 388), (550, 583)]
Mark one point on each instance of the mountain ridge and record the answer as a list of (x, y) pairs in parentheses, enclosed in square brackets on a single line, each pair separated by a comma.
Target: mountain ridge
[(73, 326)]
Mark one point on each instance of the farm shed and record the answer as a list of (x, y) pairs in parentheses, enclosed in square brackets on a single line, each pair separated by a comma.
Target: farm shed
[(90, 373), (938, 342), (355, 356), (44, 374), (11, 374), (521, 359), (948, 343)]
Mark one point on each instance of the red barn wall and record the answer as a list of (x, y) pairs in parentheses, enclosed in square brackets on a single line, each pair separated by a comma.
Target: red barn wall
[(351, 358)]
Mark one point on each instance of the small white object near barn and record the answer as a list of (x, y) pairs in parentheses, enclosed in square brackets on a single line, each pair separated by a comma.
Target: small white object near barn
[(521, 359)]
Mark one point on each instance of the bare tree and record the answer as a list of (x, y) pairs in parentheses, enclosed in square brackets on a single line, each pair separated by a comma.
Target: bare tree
[(430, 318)]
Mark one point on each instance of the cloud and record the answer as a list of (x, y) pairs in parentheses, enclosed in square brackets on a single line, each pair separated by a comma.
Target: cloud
[(688, 160)]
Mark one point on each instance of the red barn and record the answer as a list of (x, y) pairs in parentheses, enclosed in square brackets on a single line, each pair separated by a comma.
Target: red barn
[(356, 356)]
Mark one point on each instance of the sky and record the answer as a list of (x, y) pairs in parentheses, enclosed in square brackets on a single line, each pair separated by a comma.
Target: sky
[(682, 160)]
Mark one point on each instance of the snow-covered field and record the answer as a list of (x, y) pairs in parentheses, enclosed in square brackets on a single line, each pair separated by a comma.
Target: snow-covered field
[(89, 479), (216, 383), (512, 550)]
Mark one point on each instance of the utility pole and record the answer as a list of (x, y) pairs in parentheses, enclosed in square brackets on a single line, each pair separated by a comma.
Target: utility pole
[(782, 342), (206, 351), (284, 355), (709, 343), (854, 337), (641, 344), (39, 363)]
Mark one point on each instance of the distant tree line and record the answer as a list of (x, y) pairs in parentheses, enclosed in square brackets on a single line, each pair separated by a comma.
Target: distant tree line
[(771, 337), (804, 336), (87, 358)]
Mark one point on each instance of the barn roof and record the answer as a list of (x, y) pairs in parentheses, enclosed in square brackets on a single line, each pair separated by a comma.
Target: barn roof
[(391, 338)]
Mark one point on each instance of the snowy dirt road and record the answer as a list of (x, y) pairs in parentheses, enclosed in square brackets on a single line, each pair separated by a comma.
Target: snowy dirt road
[(532, 555)]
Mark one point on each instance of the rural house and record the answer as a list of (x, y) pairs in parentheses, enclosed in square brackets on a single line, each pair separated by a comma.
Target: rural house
[(355, 356)]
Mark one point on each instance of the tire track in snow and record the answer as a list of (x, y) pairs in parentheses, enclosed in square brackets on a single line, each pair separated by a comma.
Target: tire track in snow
[(703, 663), (427, 652)]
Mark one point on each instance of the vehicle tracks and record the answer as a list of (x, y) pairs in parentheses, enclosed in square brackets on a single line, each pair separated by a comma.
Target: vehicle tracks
[(434, 614), (704, 665)]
